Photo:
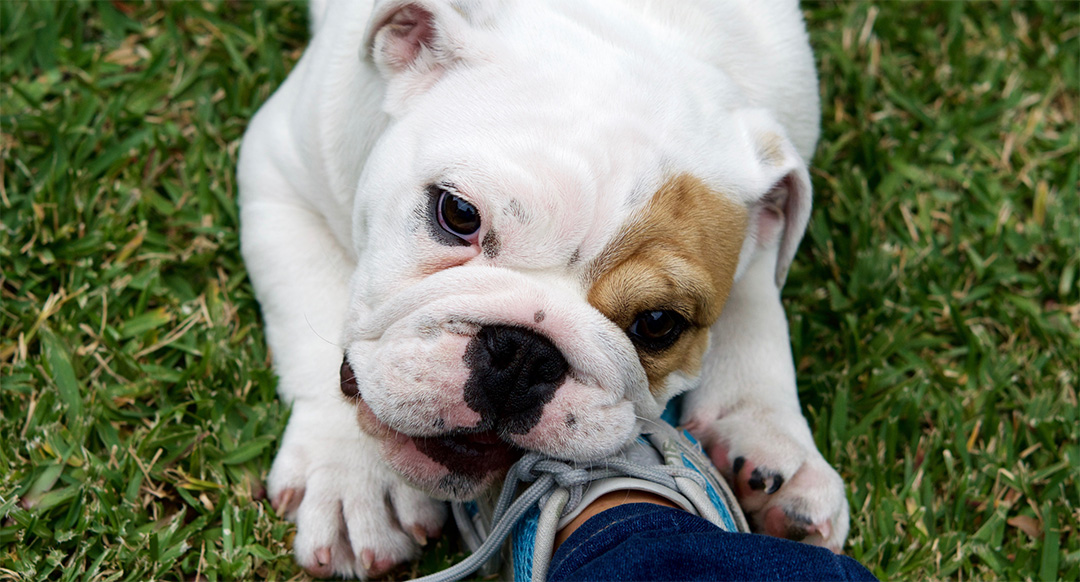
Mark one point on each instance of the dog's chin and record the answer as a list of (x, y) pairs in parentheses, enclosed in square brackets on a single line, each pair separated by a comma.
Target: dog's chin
[(458, 465)]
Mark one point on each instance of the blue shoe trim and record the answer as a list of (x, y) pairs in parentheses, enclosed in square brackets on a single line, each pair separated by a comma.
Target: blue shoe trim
[(523, 544), (673, 411), (721, 507), (690, 437)]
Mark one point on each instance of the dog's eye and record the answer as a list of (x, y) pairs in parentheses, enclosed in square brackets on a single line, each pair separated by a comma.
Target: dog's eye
[(656, 330), (457, 217)]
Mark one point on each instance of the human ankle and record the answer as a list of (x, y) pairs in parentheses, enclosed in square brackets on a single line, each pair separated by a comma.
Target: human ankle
[(605, 502)]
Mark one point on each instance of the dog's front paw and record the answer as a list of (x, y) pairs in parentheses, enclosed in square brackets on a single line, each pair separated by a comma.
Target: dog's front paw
[(354, 517), (782, 482)]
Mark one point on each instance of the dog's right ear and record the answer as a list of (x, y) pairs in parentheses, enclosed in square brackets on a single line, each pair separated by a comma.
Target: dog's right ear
[(781, 194), (412, 43)]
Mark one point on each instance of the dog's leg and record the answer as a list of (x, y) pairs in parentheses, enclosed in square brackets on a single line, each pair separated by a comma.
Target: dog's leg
[(354, 516), (746, 414)]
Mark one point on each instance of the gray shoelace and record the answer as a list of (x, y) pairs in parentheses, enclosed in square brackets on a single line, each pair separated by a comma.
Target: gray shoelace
[(548, 476)]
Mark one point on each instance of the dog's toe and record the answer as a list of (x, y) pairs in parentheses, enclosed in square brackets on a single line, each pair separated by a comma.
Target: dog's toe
[(753, 484), (322, 567), (374, 565), (381, 530), (287, 501), (355, 518), (781, 481), (319, 545), (811, 507), (417, 513), (779, 523)]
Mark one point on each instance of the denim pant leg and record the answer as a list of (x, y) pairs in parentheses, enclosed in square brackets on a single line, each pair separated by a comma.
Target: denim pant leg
[(642, 541)]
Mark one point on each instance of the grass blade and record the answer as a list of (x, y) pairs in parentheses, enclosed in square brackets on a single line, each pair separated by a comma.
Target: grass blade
[(63, 375)]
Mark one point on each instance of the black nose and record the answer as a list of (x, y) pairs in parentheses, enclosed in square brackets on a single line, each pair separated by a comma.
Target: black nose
[(514, 373)]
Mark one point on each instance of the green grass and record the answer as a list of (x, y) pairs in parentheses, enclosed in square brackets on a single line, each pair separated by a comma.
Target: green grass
[(935, 307)]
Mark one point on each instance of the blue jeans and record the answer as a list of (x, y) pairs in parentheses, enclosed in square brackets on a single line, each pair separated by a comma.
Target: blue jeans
[(642, 541)]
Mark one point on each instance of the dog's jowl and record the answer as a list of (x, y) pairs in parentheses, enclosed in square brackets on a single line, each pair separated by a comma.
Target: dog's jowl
[(478, 228)]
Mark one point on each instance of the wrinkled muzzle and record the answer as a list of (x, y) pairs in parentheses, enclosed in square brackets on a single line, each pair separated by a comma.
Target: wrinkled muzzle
[(461, 370)]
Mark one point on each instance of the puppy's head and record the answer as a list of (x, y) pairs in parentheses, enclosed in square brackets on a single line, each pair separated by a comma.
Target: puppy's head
[(547, 230)]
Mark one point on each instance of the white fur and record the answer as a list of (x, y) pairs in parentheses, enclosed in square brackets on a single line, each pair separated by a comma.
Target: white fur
[(557, 120)]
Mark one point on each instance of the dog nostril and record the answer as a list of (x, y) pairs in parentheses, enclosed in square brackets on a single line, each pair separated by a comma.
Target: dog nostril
[(515, 372), (348, 380)]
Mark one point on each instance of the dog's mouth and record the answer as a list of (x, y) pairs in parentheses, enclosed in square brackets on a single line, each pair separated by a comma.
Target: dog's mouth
[(468, 454), (472, 454)]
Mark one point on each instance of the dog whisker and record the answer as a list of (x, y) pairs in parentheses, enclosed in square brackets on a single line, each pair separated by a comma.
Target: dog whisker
[(318, 335)]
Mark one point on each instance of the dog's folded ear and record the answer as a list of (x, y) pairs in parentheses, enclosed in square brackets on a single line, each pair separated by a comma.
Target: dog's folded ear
[(780, 210), (413, 42)]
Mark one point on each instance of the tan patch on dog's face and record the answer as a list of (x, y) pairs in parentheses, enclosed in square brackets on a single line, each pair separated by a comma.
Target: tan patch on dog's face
[(679, 253)]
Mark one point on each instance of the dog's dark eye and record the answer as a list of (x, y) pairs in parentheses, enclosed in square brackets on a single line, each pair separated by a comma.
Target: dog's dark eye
[(656, 330), (456, 216)]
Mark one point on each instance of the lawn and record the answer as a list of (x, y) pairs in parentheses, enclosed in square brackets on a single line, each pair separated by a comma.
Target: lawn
[(934, 305)]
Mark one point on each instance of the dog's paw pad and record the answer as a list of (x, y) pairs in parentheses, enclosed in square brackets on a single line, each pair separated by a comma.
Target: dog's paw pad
[(810, 507), (781, 481), (752, 484), (782, 523), (766, 481)]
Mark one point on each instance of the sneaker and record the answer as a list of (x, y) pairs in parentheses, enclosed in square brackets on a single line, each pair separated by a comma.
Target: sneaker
[(662, 461)]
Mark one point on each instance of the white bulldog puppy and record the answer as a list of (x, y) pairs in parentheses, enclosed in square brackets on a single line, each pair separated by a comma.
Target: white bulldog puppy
[(481, 227)]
